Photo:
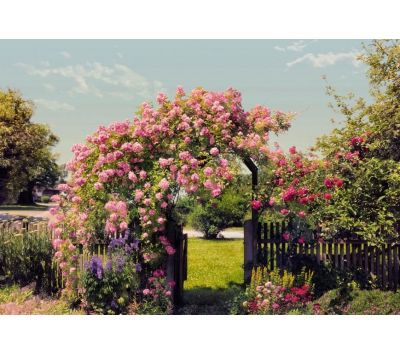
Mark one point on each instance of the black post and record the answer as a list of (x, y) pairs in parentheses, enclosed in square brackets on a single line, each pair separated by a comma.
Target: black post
[(251, 229)]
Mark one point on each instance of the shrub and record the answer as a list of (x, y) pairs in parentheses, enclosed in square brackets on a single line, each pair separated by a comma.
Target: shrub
[(214, 216), (326, 277), (183, 208), (110, 288), (156, 297), (25, 259), (352, 300), (45, 199), (276, 292)]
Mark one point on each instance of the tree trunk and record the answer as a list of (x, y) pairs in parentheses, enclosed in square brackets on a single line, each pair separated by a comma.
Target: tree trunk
[(26, 196)]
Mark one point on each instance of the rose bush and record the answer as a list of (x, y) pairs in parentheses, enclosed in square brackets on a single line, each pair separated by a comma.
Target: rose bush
[(128, 175)]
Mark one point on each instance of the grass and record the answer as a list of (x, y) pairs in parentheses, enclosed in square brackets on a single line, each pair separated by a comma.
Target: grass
[(16, 300), (215, 273)]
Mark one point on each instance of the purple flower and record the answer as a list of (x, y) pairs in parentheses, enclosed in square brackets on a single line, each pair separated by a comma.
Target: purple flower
[(109, 265), (120, 263), (95, 266), (138, 267), (116, 243), (132, 247)]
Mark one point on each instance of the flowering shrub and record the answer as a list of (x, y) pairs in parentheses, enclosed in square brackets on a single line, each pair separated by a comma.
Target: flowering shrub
[(156, 297), (129, 174), (109, 287), (294, 187), (273, 293)]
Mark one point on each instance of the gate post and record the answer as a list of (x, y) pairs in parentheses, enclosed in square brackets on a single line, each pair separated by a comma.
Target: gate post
[(176, 271), (250, 249)]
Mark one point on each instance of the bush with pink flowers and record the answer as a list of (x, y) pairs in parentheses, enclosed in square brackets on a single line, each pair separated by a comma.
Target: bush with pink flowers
[(128, 175), (277, 292)]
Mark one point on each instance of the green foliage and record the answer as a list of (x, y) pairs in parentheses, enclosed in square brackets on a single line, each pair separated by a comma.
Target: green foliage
[(25, 155), (354, 301), (182, 210), (45, 199), (26, 258), (213, 216), (114, 289), (326, 277), (368, 206)]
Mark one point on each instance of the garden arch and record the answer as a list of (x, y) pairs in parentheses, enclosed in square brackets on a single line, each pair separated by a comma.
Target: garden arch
[(126, 176)]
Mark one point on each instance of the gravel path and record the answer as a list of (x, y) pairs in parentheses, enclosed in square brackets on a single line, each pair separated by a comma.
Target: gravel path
[(228, 234)]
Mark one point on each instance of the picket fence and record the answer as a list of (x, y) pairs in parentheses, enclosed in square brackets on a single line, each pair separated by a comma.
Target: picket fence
[(176, 264), (381, 263)]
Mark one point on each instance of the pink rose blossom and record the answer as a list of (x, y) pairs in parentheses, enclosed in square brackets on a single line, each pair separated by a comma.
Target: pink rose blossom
[(214, 151), (256, 204), (138, 195), (164, 184)]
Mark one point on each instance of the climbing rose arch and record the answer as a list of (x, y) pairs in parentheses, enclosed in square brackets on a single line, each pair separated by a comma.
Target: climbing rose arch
[(126, 177)]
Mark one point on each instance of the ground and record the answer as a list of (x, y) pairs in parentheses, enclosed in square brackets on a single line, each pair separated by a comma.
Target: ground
[(15, 300), (215, 271)]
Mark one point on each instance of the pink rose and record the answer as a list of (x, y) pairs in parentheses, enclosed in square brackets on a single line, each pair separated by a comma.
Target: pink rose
[(214, 151), (301, 214), (284, 211), (138, 195), (256, 205), (164, 184), (98, 186), (208, 171), (123, 225)]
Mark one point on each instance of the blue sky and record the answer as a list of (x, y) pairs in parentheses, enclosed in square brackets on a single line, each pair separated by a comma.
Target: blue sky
[(78, 85)]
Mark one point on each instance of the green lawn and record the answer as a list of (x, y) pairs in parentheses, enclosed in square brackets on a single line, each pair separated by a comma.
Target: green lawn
[(215, 272)]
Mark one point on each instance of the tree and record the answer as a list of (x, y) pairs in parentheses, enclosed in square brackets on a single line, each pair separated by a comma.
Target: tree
[(365, 151), (213, 216), (25, 149)]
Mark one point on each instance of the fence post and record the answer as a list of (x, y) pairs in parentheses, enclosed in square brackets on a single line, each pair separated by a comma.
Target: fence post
[(250, 249)]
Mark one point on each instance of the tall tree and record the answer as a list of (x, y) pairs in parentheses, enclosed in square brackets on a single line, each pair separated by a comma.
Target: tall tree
[(366, 152), (25, 148)]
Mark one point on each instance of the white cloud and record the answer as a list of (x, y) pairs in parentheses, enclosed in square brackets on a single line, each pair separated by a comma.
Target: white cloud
[(66, 54), (87, 77), (297, 46), (279, 49), (54, 105), (325, 59)]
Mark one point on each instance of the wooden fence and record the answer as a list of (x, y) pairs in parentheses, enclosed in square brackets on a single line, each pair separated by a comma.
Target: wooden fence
[(267, 247), (21, 226), (176, 263)]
